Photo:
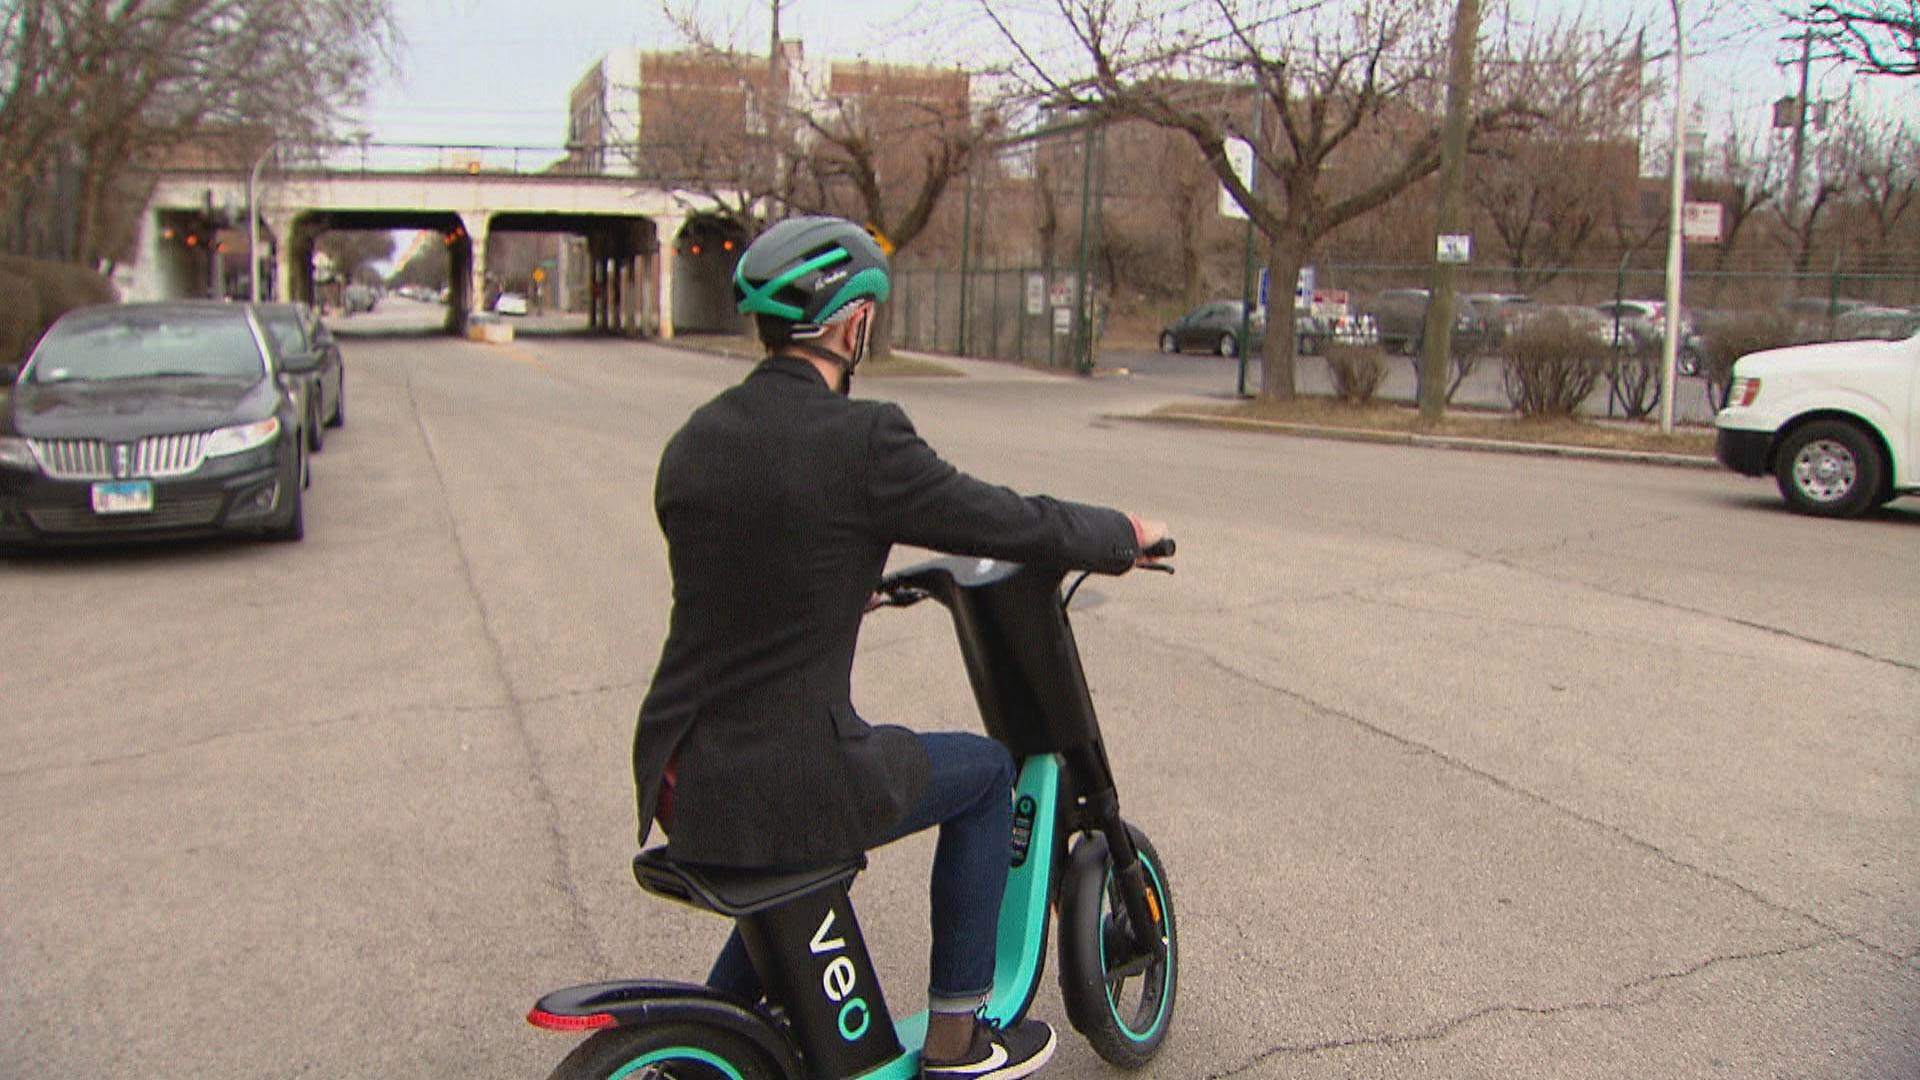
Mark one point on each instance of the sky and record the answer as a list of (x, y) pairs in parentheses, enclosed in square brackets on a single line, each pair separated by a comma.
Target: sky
[(497, 72)]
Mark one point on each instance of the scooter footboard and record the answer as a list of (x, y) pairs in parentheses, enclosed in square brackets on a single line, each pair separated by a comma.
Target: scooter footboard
[(632, 1002)]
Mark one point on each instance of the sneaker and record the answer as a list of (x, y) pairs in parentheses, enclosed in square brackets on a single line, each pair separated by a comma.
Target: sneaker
[(997, 1055)]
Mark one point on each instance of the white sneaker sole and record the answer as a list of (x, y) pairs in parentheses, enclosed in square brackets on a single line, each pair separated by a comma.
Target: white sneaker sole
[(1012, 1071)]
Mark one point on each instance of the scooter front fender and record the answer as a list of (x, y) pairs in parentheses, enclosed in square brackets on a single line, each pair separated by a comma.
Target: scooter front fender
[(632, 1002)]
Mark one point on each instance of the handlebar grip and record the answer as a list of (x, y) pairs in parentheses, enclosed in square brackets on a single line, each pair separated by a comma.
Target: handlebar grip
[(1159, 549)]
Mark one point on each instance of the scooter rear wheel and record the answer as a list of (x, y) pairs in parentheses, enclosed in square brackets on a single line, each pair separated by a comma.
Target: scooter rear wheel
[(665, 1052), (1124, 1009)]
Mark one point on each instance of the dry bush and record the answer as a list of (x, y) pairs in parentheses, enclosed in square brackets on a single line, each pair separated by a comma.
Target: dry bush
[(1357, 371), (1634, 375), (1553, 364), (1730, 337), (39, 292)]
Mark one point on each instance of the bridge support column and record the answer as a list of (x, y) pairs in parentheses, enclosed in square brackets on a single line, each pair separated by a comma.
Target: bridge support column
[(277, 231), (596, 284), (667, 229), (630, 293), (467, 284)]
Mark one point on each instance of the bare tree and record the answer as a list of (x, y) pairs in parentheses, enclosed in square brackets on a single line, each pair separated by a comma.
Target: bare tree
[(883, 145), (1832, 168), (111, 88), (1736, 180), (1886, 178), (1545, 198), (1348, 95), (1877, 37)]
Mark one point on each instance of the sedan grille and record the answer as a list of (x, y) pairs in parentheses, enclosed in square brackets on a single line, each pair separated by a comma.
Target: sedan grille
[(186, 513), (156, 457)]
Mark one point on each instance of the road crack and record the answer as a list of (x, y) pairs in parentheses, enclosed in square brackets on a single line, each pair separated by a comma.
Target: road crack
[(561, 869), (1633, 994), (1503, 784)]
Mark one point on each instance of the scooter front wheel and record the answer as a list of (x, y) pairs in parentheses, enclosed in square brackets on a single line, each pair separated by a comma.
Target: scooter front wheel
[(661, 1051), (1122, 1004)]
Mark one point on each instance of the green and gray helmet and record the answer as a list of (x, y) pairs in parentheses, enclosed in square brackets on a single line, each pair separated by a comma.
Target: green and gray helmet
[(805, 270)]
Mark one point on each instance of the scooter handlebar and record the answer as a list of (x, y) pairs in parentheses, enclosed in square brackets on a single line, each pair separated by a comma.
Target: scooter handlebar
[(1159, 549)]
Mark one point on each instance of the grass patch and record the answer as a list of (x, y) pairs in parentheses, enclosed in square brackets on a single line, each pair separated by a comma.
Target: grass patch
[(1497, 427)]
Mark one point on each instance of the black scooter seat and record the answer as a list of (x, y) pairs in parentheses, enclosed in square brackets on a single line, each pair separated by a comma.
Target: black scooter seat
[(731, 891)]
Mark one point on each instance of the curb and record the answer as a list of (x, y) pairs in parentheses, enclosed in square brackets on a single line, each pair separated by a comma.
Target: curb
[(1431, 442)]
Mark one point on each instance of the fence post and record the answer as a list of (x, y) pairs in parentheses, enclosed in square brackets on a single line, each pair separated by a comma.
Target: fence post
[(966, 264)]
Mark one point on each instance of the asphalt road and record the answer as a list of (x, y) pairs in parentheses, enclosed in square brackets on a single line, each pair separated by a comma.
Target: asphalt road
[(1463, 765)]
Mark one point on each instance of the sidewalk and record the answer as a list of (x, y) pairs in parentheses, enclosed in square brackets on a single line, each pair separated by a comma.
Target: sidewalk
[(1313, 381)]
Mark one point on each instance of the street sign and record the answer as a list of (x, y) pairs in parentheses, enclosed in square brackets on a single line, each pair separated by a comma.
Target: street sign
[(1036, 294), (1455, 248), (1701, 221), (1240, 157), (1062, 321), (1060, 293)]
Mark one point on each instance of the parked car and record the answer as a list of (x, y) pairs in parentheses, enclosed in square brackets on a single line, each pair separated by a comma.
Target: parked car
[(1876, 324), (150, 420), (1643, 326), (1215, 327), (1837, 424), (510, 303), (1503, 311), (306, 348), (360, 298), (1400, 315)]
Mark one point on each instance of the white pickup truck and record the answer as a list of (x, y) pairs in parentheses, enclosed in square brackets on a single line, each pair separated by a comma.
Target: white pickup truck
[(1836, 424)]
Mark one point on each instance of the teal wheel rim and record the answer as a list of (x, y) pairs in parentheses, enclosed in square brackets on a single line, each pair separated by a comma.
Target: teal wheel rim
[(1153, 991), (632, 1069)]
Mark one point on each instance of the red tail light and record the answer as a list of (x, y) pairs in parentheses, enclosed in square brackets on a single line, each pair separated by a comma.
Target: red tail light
[(541, 1018)]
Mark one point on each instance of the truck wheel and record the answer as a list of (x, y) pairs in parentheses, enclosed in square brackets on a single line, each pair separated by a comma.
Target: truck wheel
[(1829, 468)]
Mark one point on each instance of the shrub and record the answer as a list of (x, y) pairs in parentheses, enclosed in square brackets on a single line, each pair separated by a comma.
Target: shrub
[(1633, 374), (39, 292), (1357, 371), (1553, 364), (1730, 337)]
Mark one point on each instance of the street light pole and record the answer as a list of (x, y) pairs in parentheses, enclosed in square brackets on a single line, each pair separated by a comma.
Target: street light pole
[(1676, 211), (253, 221)]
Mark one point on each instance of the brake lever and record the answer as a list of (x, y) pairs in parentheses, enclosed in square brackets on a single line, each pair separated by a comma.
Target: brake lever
[(1156, 567)]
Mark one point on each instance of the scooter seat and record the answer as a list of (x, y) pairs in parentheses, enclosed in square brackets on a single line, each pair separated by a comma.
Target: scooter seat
[(731, 891)]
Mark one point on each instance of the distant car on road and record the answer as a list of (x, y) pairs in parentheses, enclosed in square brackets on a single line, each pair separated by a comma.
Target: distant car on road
[(360, 298), (1643, 327), (1876, 324), (307, 349), (1401, 318), (150, 420), (510, 303), (1215, 327)]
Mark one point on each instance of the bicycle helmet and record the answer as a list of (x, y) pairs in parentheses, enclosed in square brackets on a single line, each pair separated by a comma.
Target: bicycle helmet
[(806, 270)]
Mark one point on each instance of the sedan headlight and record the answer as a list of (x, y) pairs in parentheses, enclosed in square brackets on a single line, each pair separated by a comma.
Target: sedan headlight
[(243, 437), (16, 454)]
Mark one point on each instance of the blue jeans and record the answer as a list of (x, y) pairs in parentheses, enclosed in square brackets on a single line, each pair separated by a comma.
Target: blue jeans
[(970, 797)]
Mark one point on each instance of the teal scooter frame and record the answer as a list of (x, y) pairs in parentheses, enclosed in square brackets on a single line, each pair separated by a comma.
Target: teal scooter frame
[(824, 1016)]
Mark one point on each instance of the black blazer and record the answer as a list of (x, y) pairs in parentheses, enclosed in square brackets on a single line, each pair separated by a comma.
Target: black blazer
[(779, 500)]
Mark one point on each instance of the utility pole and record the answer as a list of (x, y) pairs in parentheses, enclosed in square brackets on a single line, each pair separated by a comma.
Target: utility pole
[(1799, 128), (1676, 216), (1437, 350)]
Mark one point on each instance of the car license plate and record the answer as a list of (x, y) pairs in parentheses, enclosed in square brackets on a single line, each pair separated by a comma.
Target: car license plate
[(123, 497)]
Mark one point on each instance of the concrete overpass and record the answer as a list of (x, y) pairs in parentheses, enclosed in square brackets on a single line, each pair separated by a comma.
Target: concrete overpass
[(659, 257)]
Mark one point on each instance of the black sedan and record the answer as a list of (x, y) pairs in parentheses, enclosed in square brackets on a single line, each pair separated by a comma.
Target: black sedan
[(149, 420), (306, 348), (1215, 327)]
